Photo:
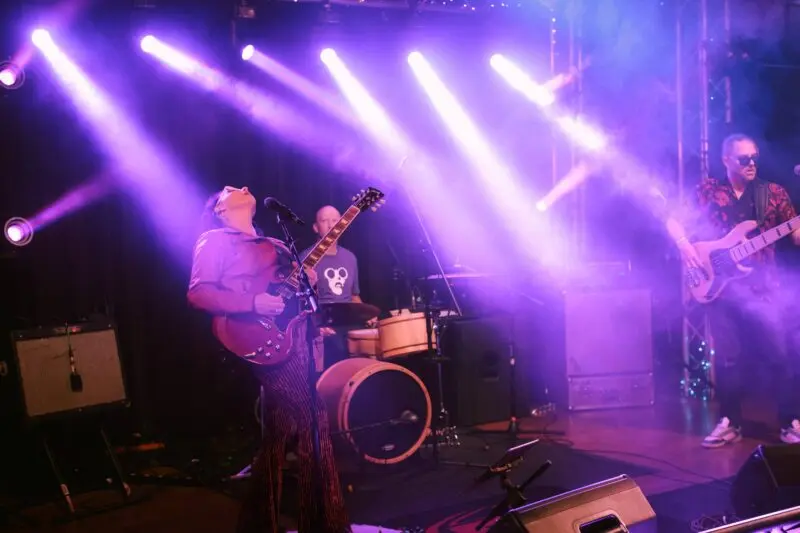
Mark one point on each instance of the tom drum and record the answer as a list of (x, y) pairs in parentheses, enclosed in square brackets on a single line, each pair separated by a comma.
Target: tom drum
[(363, 343), (404, 334), (382, 410)]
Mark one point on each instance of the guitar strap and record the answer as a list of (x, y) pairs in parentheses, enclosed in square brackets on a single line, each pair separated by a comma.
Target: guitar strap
[(761, 196)]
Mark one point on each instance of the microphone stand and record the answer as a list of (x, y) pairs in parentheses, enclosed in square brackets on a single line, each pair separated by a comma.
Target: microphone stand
[(307, 294)]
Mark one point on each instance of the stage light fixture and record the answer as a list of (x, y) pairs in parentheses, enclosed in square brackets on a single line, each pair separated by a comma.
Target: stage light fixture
[(41, 38), (11, 75), (248, 51), (328, 54), (148, 43), (18, 231)]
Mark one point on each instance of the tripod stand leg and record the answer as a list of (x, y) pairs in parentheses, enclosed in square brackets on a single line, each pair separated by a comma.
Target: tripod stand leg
[(126, 489), (62, 483)]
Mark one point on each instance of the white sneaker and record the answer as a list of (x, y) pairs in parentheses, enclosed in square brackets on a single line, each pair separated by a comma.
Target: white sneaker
[(791, 435), (724, 434)]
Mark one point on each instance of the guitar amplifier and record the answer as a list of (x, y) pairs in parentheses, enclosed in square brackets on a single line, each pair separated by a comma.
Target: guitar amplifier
[(65, 369)]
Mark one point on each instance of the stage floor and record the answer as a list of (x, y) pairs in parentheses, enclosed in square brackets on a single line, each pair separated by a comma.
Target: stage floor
[(659, 447)]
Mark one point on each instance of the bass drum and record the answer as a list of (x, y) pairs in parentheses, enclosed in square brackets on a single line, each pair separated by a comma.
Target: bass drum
[(381, 410)]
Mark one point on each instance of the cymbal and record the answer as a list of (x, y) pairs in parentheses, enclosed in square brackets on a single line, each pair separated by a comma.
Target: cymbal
[(348, 313), (459, 275)]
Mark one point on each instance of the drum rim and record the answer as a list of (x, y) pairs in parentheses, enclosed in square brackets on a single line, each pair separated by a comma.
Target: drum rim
[(402, 318), (370, 337), (354, 383)]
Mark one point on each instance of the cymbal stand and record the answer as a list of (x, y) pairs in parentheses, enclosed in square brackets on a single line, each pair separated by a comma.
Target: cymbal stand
[(441, 422), (433, 327)]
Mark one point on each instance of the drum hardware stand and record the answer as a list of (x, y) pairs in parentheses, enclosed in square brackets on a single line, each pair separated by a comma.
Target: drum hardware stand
[(434, 325), (442, 428)]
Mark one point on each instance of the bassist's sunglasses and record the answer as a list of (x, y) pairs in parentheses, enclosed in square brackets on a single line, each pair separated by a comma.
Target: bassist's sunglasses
[(744, 160)]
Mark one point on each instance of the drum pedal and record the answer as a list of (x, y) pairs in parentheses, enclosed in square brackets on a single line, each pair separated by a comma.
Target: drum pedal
[(447, 436)]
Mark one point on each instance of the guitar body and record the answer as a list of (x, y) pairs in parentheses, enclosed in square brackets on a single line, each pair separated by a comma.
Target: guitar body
[(718, 266), (261, 340)]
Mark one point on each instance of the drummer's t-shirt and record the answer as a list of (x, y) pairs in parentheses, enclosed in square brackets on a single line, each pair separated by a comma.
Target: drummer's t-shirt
[(338, 276)]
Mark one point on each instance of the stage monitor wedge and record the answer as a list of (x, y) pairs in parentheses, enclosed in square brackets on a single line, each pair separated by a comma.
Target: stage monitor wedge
[(768, 481), (616, 504)]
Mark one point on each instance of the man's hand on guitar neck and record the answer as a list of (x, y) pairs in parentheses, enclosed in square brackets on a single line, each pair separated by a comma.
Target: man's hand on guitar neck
[(310, 272), (689, 254)]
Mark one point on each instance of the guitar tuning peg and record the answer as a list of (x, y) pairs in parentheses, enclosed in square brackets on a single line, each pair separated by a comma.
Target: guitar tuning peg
[(383, 201), (362, 191), (374, 209), (353, 198)]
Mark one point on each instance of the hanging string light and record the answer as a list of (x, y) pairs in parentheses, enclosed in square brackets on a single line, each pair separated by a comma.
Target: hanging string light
[(697, 382)]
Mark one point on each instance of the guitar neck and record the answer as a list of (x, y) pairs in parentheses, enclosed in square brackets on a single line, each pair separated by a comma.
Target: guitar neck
[(318, 252), (763, 240)]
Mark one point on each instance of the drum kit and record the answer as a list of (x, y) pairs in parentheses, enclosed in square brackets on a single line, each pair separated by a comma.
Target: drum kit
[(378, 408)]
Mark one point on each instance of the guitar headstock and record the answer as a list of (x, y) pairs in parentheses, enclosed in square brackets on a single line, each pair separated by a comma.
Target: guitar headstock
[(369, 198)]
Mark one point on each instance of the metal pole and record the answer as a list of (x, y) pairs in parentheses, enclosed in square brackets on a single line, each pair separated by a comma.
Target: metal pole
[(576, 65), (704, 116), (679, 118), (726, 14), (553, 151)]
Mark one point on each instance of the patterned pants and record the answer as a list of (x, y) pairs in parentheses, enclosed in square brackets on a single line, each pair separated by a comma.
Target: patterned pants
[(288, 420)]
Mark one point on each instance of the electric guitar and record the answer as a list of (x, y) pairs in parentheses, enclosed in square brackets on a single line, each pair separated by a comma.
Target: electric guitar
[(268, 341), (721, 260)]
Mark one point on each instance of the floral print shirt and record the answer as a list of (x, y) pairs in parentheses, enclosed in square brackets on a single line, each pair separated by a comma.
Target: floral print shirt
[(722, 211)]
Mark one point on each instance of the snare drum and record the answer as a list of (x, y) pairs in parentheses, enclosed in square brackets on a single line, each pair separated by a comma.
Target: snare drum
[(363, 343), (404, 334)]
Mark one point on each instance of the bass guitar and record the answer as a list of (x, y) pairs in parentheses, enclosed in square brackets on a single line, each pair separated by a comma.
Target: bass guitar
[(723, 260), (268, 341)]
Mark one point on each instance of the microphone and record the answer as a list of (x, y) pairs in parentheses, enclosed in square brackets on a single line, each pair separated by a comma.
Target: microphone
[(283, 212)]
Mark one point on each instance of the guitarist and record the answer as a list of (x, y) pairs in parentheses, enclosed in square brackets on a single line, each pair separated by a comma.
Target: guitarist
[(232, 266), (749, 314)]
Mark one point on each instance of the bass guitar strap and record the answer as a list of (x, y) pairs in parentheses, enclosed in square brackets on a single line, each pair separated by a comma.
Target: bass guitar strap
[(761, 197)]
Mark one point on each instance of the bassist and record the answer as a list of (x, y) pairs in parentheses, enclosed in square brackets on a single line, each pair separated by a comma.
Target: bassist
[(749, 316), (232, 267)]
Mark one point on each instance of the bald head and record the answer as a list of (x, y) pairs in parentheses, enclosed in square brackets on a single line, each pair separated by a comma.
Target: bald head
[(327, 217)]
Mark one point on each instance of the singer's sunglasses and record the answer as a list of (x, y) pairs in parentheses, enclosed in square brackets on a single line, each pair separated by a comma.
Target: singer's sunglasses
[(744, 160)]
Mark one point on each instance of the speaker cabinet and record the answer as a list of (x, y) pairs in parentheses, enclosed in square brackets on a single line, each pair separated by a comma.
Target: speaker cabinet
[(69, 368), (616, 504), (768, 481), (608, 348), (477, 373)]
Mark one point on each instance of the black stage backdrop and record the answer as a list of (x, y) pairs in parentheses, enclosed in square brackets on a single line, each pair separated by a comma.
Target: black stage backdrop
[(107, 258)]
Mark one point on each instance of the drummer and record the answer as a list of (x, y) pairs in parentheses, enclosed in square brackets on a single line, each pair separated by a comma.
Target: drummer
[(338, 283)]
